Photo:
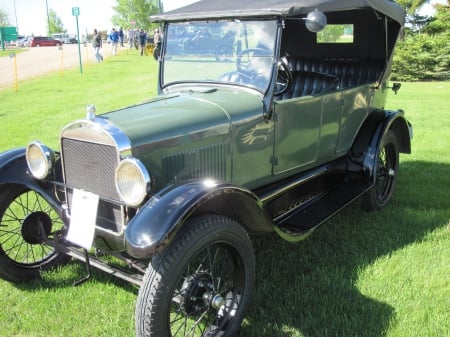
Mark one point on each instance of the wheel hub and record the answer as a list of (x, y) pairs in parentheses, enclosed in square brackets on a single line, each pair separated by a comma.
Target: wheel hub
[(217, 301), (36, 227), (198, 294)]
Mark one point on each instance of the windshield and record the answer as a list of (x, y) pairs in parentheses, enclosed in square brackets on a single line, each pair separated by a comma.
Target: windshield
[(239, 52)]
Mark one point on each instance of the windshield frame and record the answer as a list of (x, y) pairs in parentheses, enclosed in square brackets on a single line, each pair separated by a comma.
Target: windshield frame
[(246, 34)]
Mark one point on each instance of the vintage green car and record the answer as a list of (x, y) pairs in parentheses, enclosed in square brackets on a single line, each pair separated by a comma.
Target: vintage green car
[(279, 135)]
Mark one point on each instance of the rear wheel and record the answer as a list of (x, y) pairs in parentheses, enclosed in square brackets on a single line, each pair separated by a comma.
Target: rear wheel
[(386, 174), (25, 219), (200, 285)]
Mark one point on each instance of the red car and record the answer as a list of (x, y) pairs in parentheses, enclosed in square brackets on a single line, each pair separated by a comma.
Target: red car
[(39, 41)]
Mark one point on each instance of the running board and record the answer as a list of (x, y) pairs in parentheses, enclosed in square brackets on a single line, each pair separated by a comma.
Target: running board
[(300, 223)]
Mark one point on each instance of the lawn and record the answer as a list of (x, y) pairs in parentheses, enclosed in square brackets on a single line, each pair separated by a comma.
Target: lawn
[(362, 274)]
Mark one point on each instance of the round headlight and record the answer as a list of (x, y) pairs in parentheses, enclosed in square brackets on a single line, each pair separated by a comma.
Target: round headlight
[(40, 159), (132, 181)]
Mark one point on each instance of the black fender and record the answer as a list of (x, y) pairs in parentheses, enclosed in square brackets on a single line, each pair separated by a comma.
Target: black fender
[(157, 222), (366, 145), (14, 170)]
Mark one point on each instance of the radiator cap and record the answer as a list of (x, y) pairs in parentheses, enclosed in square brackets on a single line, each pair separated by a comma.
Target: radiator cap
[(90, 112)]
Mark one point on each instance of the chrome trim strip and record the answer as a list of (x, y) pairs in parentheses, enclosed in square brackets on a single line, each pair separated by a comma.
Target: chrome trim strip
[(106, 132)]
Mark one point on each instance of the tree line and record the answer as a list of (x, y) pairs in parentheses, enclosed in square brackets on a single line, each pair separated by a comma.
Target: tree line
[(423, 52)]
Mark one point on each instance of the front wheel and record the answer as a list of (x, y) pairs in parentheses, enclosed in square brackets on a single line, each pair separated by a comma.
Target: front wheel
[(201, 284), (386, 174), (25, 219)]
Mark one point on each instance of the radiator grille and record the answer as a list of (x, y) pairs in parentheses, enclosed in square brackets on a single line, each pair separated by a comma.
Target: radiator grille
[(90, 166)]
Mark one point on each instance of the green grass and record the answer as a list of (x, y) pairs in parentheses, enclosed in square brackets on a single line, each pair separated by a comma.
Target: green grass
[(42, 106), (362, 274), (7, 52)]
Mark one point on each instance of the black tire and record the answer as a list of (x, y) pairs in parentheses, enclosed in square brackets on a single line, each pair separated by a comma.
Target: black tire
[(386, 174), (23, 215), (201, 284)]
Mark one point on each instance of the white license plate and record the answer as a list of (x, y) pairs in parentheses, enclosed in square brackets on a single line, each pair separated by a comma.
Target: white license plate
[(83, 215)]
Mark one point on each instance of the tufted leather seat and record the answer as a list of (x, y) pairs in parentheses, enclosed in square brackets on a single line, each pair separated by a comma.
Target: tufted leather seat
[(350, 72), (306, 83)]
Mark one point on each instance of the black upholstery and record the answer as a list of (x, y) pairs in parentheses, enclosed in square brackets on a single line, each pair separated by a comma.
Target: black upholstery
[(306, 83), (350, 72), (315, 76)]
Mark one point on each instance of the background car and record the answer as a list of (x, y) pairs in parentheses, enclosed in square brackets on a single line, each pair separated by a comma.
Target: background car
[(40, 41), (24, 42)]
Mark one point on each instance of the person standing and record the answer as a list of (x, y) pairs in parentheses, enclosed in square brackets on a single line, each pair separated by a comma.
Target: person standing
[(121, 36), (156, 37), (142, 40), (97, 44), (114, 38), (131, 33), (157, 41)]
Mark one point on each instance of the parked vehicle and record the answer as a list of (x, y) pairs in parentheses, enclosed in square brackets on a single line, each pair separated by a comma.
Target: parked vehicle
[(65, 38), (278, 138), (42, 41), (24, 42)]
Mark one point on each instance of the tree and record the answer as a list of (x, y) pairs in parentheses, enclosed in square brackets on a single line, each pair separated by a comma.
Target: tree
[(56, 25), (440, 23), (413, 20), (425, 56), (4, 18), (137, 11), (411, 6)]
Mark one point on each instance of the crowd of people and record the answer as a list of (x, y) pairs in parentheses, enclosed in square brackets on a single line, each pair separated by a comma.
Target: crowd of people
[(137, 38)]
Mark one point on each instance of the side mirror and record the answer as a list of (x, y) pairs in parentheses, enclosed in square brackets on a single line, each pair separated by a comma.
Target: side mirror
[(315, 21)]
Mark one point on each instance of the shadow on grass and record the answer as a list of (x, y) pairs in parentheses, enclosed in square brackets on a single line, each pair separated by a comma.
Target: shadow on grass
[(308, 288), (67, 276)]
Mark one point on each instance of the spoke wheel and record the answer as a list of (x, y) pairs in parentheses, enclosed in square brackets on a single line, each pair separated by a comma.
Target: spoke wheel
[(386, 174), (25, 219), (200, 285)]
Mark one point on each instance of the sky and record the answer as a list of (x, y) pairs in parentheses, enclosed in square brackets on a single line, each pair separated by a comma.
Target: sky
[(32, 14)]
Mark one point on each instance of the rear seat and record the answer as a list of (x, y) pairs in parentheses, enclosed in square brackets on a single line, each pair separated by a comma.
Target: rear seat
[(317, 76), (305, 83)]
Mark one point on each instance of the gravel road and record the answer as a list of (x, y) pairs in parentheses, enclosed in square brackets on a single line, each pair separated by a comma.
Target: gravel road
[(37, 61)]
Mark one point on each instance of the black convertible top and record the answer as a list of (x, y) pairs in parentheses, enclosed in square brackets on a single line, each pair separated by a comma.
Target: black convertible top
[(223, 9)]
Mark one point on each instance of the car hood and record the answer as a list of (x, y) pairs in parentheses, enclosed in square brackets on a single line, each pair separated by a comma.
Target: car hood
[(194, 112)]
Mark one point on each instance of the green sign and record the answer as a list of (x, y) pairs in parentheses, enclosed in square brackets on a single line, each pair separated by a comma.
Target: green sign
[(8, 34), (75, 11)]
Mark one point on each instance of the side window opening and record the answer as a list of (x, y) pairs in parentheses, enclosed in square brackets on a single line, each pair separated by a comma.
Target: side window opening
[(336, 33)]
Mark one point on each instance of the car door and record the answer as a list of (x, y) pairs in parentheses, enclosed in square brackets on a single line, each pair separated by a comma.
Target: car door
[(306, 131)]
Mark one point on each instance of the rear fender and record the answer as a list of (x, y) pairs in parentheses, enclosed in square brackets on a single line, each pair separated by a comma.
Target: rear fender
[(157, 222), (370, 136)]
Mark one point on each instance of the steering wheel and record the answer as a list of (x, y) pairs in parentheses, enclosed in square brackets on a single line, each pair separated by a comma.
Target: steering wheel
[(284, 79), (245, 67)]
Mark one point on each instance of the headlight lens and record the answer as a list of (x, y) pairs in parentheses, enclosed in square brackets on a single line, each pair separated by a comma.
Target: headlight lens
[(132, 181), (40, 160)]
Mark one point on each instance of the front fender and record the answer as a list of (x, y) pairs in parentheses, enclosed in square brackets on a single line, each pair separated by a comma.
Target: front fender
[(14, 170), (157, 222), (13, 166)]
